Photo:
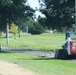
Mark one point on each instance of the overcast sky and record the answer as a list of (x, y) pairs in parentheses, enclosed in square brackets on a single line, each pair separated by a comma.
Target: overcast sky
[(34, 4)]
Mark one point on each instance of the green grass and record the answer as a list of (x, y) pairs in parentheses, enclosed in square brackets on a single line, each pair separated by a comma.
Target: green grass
[(43, 66), (42, 42)]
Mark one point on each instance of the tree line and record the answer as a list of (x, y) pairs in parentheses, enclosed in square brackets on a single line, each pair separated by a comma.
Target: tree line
[(59, 14)]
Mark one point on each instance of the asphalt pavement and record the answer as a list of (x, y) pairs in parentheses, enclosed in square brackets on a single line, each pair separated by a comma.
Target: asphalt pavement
[(49, 54)]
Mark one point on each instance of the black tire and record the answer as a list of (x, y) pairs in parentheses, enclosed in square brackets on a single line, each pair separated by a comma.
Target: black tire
[(64, 54), (61, 54), (58, 54)]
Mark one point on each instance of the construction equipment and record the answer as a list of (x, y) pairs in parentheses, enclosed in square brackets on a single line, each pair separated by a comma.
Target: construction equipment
[(68, 47)]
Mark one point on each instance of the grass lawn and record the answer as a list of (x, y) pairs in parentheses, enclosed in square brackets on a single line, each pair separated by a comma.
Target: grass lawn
[(44, 41), (42, 66)]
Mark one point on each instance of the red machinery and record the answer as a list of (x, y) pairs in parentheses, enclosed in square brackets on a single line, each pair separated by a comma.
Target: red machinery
[(68, 47)]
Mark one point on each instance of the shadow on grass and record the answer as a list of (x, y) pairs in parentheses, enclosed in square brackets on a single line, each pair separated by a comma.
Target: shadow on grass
[(5, 52), (72, 58), (36, 58), (42, 58)]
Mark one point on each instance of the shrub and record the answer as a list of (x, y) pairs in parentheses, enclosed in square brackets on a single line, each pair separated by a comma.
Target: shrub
[(36, 29)]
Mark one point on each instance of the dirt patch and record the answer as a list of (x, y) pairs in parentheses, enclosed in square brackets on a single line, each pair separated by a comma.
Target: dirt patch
[(7, 68)]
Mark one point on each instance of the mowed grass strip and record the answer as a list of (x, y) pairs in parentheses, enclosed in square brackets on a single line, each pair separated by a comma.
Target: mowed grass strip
[(46, 41), (43, 66)]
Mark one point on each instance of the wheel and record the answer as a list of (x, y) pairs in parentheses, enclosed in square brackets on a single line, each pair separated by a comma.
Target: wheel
[(61, 54), (58, 54), (64, 54)]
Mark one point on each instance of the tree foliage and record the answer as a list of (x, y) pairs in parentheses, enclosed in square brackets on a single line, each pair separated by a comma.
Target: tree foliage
[(28, 23), (13, 11), (42, 20), (58, 13), (14, 29), (37, 28)]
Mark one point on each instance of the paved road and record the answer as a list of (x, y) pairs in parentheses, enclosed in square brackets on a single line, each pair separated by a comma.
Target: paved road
[(36, 52)]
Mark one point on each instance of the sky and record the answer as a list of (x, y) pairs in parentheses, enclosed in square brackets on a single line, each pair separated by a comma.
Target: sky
[(34, 4)]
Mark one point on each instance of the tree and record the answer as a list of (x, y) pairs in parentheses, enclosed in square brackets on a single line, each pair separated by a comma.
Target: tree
[(14, 29), (26, 24), (74, 27), (29, 24), (58, 13), (13, 11), (37, 28), (42, 20)]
